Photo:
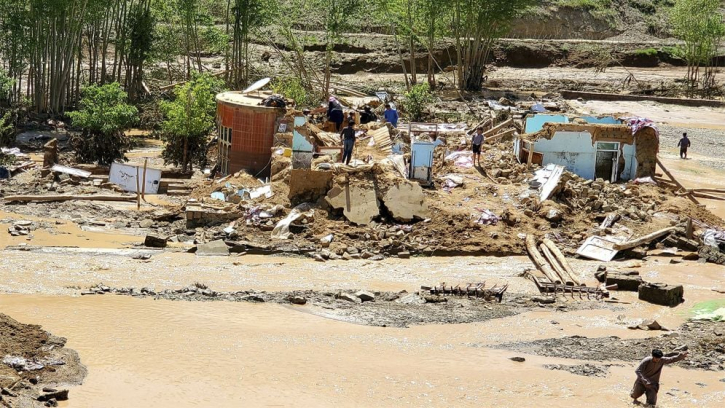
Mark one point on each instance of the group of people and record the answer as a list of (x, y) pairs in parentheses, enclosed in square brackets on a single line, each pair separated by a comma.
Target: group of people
[(336, 115)]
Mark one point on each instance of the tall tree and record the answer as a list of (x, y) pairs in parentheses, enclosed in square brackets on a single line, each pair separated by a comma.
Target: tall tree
[(141, 25), (245, 16), (477, 25)]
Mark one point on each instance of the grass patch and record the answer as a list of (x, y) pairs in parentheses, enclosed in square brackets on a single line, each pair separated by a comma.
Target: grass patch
[(646, 52)]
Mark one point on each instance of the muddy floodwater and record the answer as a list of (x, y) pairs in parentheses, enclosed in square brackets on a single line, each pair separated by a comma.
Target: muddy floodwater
[(158, 353)]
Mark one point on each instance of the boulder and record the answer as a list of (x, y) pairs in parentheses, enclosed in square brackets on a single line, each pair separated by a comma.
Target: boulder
[(349, 297), (155, 242), (365, 296), (298, 300), (358, 202), (146, 223), (405, 201), (214, 248), (661, 294)]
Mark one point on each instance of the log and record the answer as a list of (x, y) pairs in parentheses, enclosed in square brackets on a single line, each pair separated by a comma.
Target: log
[(50, 198), (708, 196), (500, 135), (708, 190), (562, 260), (539, 260), (644, 240), (484, 123), (667, 172), (556, 266)]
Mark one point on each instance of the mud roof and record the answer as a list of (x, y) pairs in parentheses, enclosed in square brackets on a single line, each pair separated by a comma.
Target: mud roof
[(598, 131), (237, 98)]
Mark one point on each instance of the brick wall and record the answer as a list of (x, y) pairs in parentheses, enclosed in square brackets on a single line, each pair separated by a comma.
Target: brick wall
[(252, 137)]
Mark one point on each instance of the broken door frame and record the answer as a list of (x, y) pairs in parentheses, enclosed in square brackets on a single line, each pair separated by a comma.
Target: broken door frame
[(615, 162)]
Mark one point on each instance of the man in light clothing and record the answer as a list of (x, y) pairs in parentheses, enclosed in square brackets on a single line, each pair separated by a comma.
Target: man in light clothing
[(476, 143), (648, 376)]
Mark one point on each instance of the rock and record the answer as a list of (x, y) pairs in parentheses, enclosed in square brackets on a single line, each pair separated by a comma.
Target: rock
[(365, 296), (348, 297), (359, 202), (61, 395), (661, 294), (690, 256), (601, 276), (214, 248), (298, 300), (155, 242), (553, 215), (146, 223), (651, 325), (319, 258), (517, 359), (547, 300), (404, 255), (411, 299), (346, 256)]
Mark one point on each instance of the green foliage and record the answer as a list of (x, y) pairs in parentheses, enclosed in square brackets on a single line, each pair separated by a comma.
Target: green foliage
[(646, 52), (6, 85), (417, 100), (292, 88), (103, 117), (190, 118), (586, 4), (7, 130)]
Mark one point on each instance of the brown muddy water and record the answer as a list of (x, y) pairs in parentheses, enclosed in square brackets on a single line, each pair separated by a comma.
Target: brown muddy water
[(149, 353)]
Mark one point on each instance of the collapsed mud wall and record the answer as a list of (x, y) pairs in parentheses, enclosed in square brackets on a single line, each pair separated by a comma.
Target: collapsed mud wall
[(647, 146)]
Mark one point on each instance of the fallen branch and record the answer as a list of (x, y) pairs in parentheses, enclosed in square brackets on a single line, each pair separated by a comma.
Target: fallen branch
[(667, 172), (50, 198), (644, 240)]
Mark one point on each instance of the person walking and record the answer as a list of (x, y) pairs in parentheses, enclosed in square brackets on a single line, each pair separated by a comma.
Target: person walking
[(648, 376), (334, 113), (348, 142), (476, 142), (683, 144), (391, 115)]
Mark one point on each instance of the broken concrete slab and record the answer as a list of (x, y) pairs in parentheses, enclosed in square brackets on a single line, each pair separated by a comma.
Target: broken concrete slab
[(358, 202), (628, 281), (365, 296), (155, 242), (308, 185), (661, 294), (406, 201), (349, 297), (214, 248)]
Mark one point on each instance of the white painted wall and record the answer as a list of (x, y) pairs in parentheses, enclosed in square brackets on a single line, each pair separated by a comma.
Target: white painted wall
[(573, 150)]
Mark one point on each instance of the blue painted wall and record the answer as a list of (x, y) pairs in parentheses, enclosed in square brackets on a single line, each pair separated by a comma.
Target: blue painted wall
[(606, 120), (536, 122)]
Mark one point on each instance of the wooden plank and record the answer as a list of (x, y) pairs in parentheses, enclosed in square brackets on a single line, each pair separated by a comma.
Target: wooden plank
[(644, 240), (539, 260), (51, 198), (560, 272), (70, 170), (496, 129), (562, 260), (693, 199)]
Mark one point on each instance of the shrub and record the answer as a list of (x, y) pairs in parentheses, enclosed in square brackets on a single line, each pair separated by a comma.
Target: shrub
[(417, 100), (292, 88)]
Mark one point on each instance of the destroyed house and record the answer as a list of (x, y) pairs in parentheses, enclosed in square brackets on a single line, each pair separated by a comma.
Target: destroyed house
[(591, 147), (246, 133)]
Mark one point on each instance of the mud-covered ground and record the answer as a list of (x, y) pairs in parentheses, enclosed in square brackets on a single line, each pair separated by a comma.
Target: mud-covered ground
[(35, 366), (704, 340)]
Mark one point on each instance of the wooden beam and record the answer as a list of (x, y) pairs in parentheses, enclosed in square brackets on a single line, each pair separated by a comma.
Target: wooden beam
[(667, 172), (562, 260), (495, 130), (556, 266), (539, 260), (644, 240), (50, 198)]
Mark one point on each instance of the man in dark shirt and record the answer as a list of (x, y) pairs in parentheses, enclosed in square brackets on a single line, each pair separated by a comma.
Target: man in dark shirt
[(367, 116), (684, 143), (476, 142), (348, 142), (334, 113), (648, 376)]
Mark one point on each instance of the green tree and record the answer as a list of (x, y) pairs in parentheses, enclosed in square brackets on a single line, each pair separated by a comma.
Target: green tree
[(417, 100), (190, 118), (141, 26), (699, 24), (245, 16), (103, 117), (477, 25)]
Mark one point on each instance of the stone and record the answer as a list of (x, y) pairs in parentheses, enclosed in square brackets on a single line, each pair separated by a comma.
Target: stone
[(146, 223), (553, 215), (411, 299), (61, 395), (155, 242), (319, 258), (661, 294), (517, 359), (405, 201), (626, 281), (346, 256), (298, 300), (349, 297), (214, 248), (404, 255), (365, 296), (543, 299)]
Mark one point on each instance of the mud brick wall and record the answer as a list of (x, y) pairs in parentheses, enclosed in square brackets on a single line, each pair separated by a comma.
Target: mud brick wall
[(203, 217)]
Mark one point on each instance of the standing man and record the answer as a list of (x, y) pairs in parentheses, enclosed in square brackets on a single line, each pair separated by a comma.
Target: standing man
[(391, 115), (348, 142), (684, 143), (648, 376), (476, 142), (334, 113)]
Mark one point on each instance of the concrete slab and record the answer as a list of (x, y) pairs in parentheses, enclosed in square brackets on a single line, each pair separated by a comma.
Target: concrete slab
[(358, 202), (214, 248), (406, 201), (308, 185)]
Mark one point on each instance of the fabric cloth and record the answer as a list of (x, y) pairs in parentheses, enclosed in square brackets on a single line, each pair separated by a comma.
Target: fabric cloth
[(477, 139), (348, 134), (648, 377), (391, 116), (636, 124), (348, 145)]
